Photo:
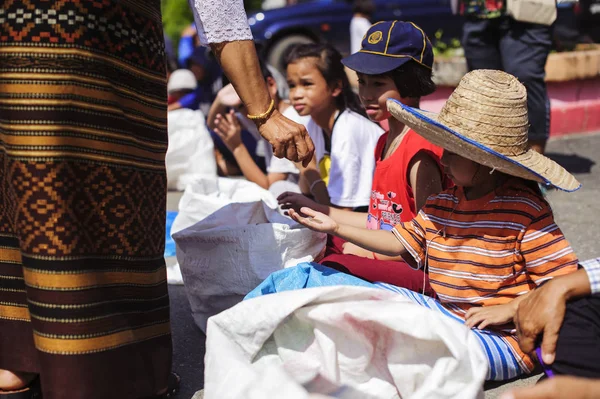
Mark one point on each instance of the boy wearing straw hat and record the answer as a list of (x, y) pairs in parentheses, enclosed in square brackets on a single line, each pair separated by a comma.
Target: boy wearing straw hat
[(490, 240)]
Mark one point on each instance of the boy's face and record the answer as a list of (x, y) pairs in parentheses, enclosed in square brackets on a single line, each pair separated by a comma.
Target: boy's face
[(460, 170), (374, 91)]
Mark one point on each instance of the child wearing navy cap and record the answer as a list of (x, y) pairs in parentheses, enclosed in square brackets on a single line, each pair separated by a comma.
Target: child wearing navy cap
[(395, 61)]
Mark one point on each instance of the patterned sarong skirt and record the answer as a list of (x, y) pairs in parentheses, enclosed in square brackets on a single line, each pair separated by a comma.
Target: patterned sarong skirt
[(83, 136)]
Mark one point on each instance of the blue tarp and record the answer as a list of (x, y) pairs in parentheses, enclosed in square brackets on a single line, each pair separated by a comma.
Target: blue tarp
[(169, 243), (305, 275)]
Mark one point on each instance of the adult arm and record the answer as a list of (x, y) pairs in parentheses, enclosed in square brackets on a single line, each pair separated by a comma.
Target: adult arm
[(223, 25), (558, 388), (543, 312), (186, 45)]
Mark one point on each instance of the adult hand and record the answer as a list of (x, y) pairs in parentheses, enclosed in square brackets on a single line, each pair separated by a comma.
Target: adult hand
[(482, 317), (314, 220), (558, 388), (349, 248), (289, 139), (229, 130), (542, 311), (296, 201)]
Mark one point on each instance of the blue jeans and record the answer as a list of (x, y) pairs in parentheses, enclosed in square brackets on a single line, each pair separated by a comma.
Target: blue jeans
[(520, 49)]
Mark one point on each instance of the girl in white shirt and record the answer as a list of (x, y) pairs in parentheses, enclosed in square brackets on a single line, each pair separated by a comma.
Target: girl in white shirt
[(342, 170)]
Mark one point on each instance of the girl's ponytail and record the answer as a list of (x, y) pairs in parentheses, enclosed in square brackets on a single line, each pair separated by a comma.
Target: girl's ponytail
[(329, 63)]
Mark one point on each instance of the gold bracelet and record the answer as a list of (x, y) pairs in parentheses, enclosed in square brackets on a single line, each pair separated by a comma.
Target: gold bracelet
[(264, 115)]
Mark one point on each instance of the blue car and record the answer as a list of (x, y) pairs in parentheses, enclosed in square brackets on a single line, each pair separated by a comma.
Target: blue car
[(329, 20)]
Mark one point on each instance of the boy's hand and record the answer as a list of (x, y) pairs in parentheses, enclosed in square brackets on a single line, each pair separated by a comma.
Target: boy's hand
[(314, 220), (295, 201), (481, 317), (229, 130)]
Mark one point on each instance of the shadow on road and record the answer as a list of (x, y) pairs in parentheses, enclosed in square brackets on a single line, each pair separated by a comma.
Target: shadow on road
[(189, 344), (572, 162)]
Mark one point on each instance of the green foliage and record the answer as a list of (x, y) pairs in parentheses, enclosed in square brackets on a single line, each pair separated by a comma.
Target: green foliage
[(443, 47), (252, 5), (176, 17)]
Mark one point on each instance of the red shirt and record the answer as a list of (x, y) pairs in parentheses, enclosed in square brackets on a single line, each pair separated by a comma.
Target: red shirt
[(392, 199)]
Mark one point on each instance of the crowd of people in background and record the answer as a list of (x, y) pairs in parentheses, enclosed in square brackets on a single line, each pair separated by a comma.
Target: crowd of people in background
[(363, 177)]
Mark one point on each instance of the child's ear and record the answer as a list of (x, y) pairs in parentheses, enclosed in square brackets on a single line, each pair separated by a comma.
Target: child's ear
[(271, 86), (337, 88)]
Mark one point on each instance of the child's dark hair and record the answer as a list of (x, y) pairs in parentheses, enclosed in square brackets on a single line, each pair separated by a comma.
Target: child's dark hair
[(413, 80), (329, 63), (366, 7)]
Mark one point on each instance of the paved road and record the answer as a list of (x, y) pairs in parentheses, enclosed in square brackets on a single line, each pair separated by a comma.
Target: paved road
[(578, 215)]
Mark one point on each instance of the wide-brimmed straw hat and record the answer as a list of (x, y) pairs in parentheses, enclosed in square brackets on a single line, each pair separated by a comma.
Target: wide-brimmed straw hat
[(485, 120)]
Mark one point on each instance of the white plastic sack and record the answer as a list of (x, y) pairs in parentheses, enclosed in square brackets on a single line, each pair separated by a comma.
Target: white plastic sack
[(191, 149), (206, 195), (343, 342), (234, 249)]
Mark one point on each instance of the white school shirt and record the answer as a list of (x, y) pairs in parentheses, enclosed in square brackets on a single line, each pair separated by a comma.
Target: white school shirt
[(352, 158)]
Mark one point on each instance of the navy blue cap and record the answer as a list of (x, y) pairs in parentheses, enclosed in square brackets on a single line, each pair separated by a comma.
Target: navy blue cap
[(388, 45)]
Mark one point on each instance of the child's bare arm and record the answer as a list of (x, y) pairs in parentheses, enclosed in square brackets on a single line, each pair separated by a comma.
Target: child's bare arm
[(226, 98), (289, 200), (379, 241), (425, 178)]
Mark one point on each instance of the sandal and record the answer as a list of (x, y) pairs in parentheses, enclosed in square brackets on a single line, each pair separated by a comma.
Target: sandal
[(32, 391), (173, 383)]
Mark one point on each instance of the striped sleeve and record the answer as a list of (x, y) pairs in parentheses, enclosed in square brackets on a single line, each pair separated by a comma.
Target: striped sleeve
[(412, 236), (546, 251), (592, 267)]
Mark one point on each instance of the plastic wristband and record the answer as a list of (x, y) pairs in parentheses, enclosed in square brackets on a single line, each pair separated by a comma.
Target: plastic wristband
[(264, 115)]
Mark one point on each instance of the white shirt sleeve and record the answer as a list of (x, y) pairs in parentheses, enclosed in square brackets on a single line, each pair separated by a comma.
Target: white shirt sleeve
[(592, 267), (220, 21), (352, 160)]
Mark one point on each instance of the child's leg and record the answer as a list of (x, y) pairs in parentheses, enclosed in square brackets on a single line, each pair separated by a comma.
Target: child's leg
[(503, 362), (393, 272)]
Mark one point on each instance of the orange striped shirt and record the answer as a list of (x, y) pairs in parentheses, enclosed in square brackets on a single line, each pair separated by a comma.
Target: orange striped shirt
[(487, 251)]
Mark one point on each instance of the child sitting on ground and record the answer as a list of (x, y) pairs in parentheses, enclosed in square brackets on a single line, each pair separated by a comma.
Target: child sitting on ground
[(342, 171), (227, 124), (395, 62), (491, 239)]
